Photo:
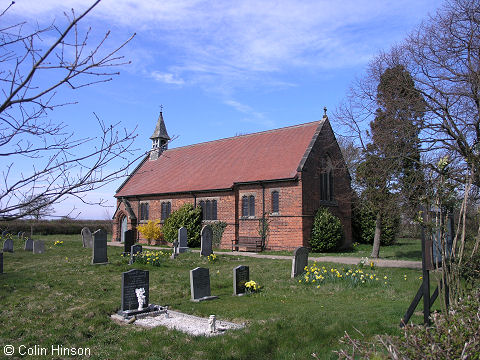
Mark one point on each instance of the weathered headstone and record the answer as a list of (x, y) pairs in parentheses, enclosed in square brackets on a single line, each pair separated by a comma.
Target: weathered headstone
[(20, 234), (299, 261), (132, 283), (87, 238), (1, 262), (200, 284), (99, 251), (129, 237), (241, 275), (206, 241), (38, 247), (182, 240), (29, 245), (8, 245), (134, 249)]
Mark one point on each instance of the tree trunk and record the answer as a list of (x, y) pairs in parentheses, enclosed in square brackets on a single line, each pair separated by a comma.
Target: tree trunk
[(378, 233)]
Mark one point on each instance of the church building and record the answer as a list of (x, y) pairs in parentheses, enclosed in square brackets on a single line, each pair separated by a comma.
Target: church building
[(281, 177)]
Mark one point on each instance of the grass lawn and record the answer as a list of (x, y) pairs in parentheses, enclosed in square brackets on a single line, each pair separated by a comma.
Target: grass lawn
[(59, 298), (403, 249)]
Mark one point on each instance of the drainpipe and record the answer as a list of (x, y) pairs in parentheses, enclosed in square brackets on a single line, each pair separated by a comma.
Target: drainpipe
[(194, 200), (263, 215)]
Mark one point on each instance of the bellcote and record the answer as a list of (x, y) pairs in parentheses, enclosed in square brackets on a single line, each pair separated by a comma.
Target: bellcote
[(159, 138)]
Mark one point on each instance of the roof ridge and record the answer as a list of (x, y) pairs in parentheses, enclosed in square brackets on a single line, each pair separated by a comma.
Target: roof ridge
[(245, 135)]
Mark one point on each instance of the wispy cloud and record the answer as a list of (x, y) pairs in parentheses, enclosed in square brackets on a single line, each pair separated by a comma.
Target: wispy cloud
[(167, 78), (230, 43), (253, 116)]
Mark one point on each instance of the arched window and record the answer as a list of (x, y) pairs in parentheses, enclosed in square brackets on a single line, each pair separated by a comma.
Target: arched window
[(166, 208), (251, 205), (208, 214), (214, 209), (326, 180), (209, 209), (244, 206), (144, 210), (275, 201)]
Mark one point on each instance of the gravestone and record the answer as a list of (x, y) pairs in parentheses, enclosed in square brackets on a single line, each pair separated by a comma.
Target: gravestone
[(241, 275), (1, 262), (29, 245), (129, 237), (38, 247), (200, 284), (20, 234), (300, 260), (99, 247), (87, 238), (206, 241), (182, 240), (132, 281), (134, 249), (8, 245)]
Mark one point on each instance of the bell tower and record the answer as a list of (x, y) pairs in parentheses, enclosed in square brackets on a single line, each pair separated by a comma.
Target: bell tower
[(159, 138)]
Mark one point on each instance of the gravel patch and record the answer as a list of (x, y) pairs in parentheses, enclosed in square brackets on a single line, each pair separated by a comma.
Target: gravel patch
[(189, 324)]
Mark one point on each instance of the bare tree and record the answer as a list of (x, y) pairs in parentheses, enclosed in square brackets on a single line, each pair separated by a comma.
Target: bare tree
[(62, 164), (443, 57)]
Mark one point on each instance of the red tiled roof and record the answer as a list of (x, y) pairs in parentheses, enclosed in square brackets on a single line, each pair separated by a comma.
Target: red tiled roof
[(268, 155)]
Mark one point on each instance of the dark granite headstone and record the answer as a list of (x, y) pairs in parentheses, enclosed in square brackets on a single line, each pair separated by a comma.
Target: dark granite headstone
[(134, 249), (29, 245), (1, 262), (200, 284), (8, 245), (129, 237), (132, 280), (300, 260), (99, 247), (241, 275), (38, 247), (182, 240), (87, 238), (206, 241)]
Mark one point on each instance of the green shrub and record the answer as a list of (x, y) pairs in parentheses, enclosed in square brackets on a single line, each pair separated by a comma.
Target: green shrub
[(327, 231), (218, 228), (190, 218), (363, 226)]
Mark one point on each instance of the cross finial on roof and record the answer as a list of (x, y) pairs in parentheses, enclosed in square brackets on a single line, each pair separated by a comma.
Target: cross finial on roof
[(325, 111)]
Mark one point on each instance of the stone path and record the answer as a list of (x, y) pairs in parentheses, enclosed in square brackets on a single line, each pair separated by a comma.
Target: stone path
[(333, 259)]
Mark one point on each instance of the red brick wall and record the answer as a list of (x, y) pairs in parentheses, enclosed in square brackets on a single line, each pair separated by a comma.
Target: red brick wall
[(285, 227), (341, 206), (298, 202)]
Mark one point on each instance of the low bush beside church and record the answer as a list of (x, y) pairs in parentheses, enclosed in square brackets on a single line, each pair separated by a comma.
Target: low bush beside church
[(327, 231)]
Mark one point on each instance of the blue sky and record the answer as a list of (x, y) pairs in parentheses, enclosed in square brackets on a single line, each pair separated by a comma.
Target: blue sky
[(221, 68)]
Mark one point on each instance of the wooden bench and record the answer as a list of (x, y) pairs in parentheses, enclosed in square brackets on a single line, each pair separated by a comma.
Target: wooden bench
[(250, 243)]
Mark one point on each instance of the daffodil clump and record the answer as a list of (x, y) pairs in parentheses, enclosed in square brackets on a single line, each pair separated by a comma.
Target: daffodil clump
[(150, 257), (58, 243), (252, 287), (212, 258), (355, 277)]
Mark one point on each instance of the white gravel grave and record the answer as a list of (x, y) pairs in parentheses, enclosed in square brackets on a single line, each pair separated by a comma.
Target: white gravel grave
[(189, 324)]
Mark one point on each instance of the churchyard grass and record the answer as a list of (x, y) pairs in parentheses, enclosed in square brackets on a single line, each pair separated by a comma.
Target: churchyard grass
[(403, 249), (59, 298)]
